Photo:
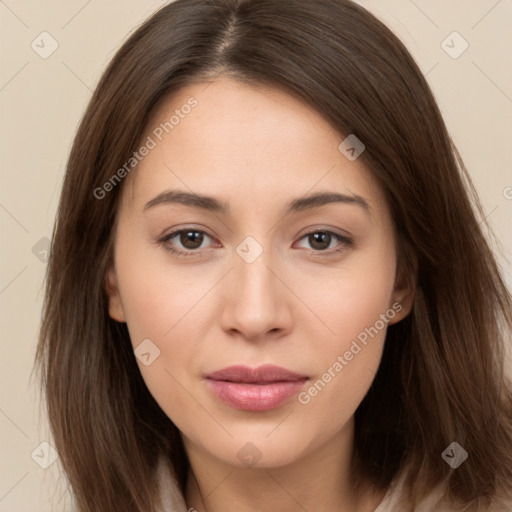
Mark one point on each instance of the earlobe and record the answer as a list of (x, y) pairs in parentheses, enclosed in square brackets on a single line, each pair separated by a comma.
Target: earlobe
[(115, 306)]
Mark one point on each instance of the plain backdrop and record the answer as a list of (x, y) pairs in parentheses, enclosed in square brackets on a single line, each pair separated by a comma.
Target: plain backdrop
[(42, 98)]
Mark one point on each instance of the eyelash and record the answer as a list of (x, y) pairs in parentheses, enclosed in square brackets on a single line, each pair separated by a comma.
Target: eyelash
[(347, 242)]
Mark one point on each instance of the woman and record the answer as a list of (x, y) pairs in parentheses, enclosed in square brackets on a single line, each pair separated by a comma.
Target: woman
[(268, 287)]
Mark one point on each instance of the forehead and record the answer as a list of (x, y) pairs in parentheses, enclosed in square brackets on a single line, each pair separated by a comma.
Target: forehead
[(226, 138)]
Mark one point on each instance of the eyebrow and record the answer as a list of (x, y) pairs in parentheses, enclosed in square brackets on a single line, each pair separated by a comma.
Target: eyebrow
[(215, 205)]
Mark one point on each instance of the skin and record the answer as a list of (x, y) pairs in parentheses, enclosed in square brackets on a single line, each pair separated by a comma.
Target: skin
[(299, 305)]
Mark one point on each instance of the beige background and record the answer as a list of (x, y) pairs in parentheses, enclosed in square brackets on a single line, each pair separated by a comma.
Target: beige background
[(42, 100)]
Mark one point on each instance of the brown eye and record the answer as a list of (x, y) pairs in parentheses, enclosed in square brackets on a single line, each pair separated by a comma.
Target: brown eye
[(185, 242), (321, 241), (191, 239)]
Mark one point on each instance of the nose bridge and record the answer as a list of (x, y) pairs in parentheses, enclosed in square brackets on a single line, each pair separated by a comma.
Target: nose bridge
[(255, 281), (255, 301)]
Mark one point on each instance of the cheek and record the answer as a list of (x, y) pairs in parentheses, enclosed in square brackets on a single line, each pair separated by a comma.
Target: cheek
[(167, 305), (352, 298), (159, 298), (159, 306), (355, 306), (346, 362)]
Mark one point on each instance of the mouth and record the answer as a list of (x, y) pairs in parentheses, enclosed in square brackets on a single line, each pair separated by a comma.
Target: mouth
[(258, 389)]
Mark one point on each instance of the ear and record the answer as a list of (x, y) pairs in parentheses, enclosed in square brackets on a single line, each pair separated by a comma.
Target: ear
[(115, 306), (404, 289)]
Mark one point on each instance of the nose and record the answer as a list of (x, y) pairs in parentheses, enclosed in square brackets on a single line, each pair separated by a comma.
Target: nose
[(257, 300)]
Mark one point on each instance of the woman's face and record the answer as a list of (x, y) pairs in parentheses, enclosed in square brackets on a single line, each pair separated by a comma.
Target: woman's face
[(268, 275)]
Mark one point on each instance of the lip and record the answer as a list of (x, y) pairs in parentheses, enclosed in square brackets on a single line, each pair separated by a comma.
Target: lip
[(255, 389)]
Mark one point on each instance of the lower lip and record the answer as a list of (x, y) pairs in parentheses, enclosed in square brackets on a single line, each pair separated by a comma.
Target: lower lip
[(255, 397)]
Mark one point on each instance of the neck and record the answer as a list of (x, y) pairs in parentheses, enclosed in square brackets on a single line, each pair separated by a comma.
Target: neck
[(326, 472)]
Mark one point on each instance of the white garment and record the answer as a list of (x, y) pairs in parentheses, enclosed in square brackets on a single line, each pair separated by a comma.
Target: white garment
[(173, 501), (172, 497)]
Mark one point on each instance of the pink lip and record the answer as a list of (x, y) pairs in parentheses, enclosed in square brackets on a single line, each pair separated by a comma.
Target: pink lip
[(259, 389)]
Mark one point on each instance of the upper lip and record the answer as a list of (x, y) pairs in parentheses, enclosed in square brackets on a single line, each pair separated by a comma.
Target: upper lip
[(262, 374)]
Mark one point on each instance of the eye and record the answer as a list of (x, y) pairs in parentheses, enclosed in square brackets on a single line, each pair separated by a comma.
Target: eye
[(190, 239), (321, 240)]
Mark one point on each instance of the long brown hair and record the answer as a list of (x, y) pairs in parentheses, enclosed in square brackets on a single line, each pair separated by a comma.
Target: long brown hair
[(442, 375)]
